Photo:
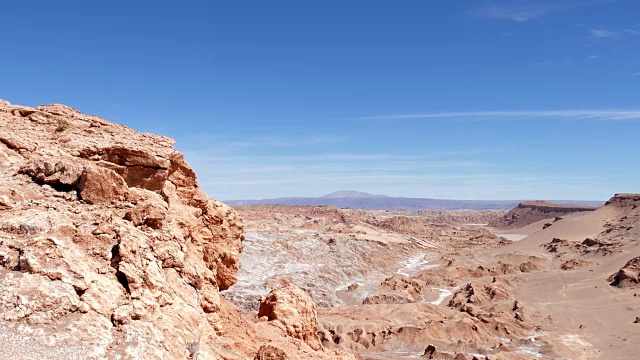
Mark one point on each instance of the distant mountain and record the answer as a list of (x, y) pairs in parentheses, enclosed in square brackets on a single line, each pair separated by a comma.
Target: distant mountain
[(351, 194), (364, 201)]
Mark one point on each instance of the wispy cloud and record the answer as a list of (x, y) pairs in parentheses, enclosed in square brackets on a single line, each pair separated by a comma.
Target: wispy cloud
[(602, 32), (448, 173), (565, 61), (286, 142), (496, 185), (517, 11), (346, 178), (274, 142), (232, 144), (321, 163), (589, 115), (248, 176)]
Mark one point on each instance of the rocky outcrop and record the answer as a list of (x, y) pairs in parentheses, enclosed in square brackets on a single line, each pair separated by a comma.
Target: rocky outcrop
[(480, 294), (108, 245), (573, 264), (587, 247), (400, 297), (383, 329), (293, 310), (270, 352), (397, 290), (628, 275), (623, 200), (532, 211)]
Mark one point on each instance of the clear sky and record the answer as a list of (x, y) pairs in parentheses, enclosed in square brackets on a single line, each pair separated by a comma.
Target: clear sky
[(442, 99)]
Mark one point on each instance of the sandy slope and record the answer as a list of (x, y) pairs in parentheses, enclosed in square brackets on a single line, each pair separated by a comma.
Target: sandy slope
[(573, 228), (581, 301)]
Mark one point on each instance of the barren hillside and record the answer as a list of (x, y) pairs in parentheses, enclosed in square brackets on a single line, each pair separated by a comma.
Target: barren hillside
[(109, 249)]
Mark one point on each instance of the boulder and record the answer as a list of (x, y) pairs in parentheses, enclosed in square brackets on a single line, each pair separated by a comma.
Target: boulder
[(270, 352), (99, 185), (294, 311), (628, 276)]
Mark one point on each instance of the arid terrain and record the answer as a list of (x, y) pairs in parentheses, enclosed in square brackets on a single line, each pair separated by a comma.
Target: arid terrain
[(365, 201), (545, 281), (110, 249)]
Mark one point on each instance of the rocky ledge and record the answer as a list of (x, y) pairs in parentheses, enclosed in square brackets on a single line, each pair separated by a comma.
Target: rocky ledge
[(110, 249), (529, 212)]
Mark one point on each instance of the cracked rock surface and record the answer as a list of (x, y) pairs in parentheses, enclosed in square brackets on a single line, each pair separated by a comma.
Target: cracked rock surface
[(110, 249)]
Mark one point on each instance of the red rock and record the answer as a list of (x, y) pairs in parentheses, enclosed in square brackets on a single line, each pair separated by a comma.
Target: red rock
[(628, 275), (294, 311), (270, 352), (101, 186), (531, 211), (133, 271)]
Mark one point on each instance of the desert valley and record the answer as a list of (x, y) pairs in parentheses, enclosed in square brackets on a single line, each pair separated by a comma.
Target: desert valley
[(540, 281), (109, 248)]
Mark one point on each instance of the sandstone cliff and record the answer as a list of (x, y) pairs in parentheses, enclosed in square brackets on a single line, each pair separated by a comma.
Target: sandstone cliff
[(532, 211), (110, 249)]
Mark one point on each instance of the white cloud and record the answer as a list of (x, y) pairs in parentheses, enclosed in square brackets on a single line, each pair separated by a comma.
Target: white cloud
[(265, 141), (565, 61), (474, 185), (632, 31), (602, 33), (255, 176), (519, 11), (590, 115)]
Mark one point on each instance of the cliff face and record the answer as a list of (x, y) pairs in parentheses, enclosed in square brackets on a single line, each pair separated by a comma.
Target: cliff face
[(532, 211), (109, 248), (625, 200)]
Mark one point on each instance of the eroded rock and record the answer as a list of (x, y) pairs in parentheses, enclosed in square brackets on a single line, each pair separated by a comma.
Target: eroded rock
[(134, 271), (100, 186), (270, 352), (294, 311), (628, 275)]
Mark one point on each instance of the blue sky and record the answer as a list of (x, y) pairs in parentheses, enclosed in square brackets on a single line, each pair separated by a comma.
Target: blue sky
[(448, 99)]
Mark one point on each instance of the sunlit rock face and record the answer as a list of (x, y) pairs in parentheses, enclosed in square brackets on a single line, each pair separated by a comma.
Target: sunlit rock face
[(109, 248)]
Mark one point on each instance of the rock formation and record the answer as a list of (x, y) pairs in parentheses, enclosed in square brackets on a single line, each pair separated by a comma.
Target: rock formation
[(110, 249), (532, 211), (628, 200), (628, 275), (293, 309), (270, 352), (414, 279)]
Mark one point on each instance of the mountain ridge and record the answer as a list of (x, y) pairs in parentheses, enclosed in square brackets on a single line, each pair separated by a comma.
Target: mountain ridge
[(365, 201), (351, 194)]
